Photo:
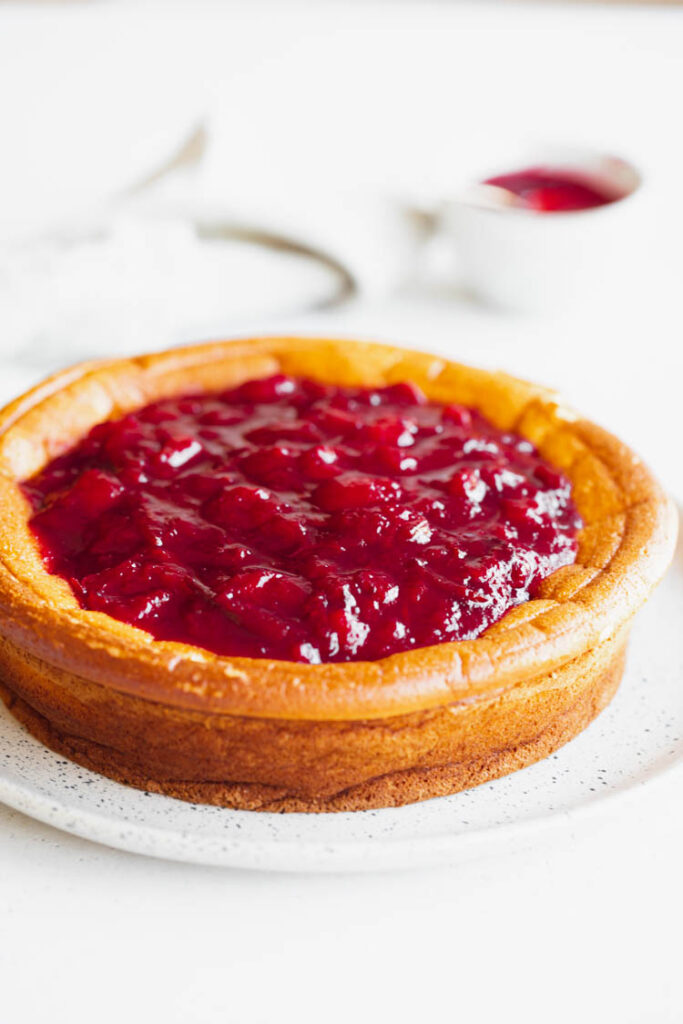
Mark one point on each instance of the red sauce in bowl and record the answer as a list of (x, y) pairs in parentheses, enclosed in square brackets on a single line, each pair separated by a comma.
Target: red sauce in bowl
[(548, 190)]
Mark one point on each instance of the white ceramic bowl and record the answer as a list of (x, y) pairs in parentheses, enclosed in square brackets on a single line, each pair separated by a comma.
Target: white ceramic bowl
[(521, 259)]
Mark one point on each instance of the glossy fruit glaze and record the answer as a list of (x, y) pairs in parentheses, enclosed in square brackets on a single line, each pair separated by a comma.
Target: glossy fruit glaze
[(549, 190), (293, 520)]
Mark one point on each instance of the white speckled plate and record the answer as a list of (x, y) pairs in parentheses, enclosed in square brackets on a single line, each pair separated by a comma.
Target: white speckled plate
[(636, 740)]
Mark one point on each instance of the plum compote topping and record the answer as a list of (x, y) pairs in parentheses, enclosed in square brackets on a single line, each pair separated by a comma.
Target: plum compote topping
[(301, 521)]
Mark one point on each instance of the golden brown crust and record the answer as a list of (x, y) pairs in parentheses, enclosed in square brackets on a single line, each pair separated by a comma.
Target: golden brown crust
[(277, 765), (254, 732), (627, 544)]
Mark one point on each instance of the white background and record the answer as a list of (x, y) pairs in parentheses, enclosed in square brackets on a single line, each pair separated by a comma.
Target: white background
[(315, 109)]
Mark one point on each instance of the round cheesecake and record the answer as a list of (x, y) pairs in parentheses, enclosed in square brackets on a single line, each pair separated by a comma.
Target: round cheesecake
[(301, 574)]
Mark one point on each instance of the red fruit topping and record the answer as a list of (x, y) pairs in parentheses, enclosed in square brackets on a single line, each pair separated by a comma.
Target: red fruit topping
[(295, 520), (319, 463), (354, 491), (459, 415)]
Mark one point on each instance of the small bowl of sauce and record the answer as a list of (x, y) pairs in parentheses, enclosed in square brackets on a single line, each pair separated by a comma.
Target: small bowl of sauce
[(548, 232)]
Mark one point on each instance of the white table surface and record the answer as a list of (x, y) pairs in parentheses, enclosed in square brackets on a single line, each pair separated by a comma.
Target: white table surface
[(581, 925)]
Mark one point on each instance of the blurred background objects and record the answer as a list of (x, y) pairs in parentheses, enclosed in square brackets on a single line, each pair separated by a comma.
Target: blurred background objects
[(323, 128)]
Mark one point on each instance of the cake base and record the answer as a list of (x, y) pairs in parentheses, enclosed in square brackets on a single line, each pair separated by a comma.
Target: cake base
[(580, 690)]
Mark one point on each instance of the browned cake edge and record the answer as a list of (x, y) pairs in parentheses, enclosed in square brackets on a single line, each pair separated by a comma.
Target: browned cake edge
[(581, 692)]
